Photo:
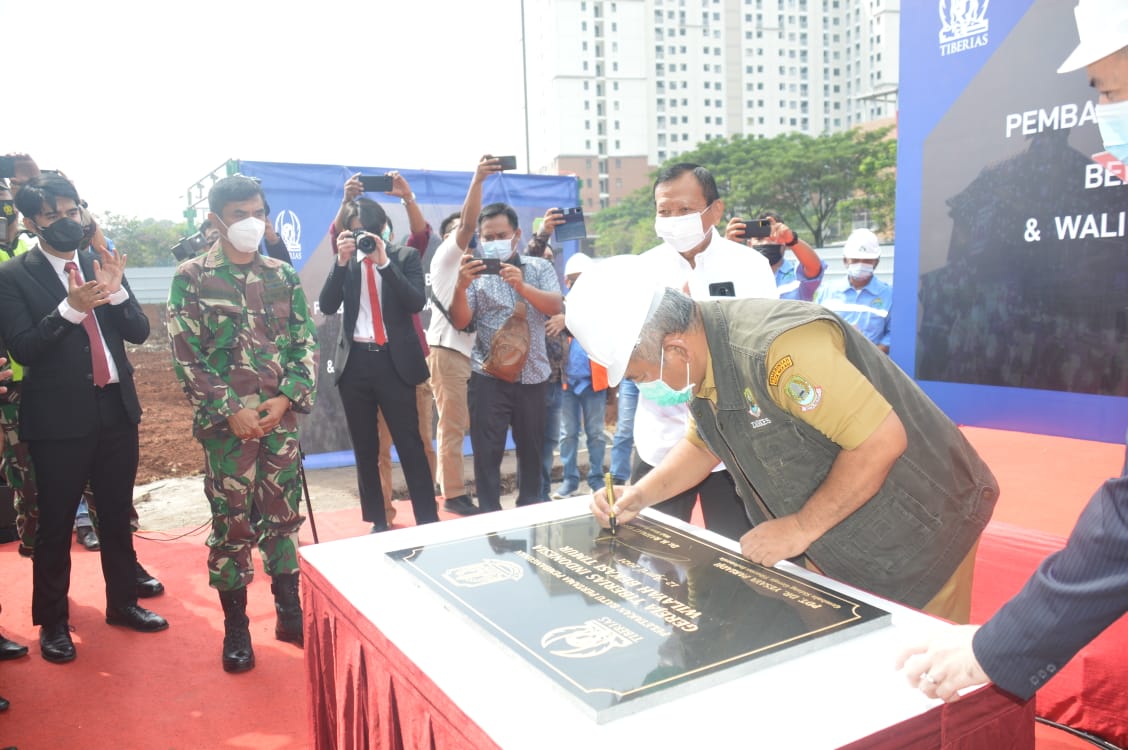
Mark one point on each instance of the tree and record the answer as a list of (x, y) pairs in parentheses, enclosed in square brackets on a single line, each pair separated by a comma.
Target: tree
[(147, 242), (627, 227)]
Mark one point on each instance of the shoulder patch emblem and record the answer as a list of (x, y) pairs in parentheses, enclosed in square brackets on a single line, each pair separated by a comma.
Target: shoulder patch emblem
[(803, 392), (780, 367)]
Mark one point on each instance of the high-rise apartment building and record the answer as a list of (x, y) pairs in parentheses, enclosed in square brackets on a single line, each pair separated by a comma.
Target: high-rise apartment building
[(617, 87)]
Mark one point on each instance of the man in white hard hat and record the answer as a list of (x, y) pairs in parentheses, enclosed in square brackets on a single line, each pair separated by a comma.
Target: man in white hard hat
[(1079, 591), (835, 451), (861, 299)]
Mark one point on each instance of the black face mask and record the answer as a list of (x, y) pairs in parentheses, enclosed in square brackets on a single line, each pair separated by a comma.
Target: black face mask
[(65, 235), (773, 251)]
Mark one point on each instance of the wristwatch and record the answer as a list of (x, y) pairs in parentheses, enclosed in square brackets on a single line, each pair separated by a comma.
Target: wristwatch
[(405, 201), (794, 238)]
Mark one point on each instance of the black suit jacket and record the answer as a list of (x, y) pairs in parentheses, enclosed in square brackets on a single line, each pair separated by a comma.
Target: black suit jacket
[(402, 295), (1073, 595), (57, 399)]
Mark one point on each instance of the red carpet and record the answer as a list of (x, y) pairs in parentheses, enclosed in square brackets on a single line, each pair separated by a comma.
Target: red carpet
[(167, 690)]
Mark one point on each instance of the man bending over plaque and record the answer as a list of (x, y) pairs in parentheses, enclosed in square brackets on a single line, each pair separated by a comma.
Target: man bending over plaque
[(837, 454)]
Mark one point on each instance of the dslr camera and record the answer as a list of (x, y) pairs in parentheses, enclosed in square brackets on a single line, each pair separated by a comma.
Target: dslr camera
[(365, 242), (189, 247)]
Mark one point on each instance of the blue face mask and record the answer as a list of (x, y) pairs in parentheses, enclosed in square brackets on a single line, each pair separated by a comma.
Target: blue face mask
[(501, 249), (1112, 119), (661, 393)]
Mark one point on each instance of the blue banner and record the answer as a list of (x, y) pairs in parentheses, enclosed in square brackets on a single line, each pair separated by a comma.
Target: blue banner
[(304, 199), (1019, 282)]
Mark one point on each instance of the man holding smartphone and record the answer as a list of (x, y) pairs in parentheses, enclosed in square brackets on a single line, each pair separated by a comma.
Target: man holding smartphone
[(795, 279), (489, 301)]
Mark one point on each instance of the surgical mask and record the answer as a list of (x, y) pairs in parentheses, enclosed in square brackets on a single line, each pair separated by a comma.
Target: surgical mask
[(500, 249), (859, 271), (1112, 119), (681, 232), (661, 393), (773, 251), (64, 235), (246, 234)]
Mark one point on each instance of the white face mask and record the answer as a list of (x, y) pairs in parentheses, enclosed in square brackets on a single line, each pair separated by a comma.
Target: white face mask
[(859, 271), (681, 232), (501, 249), (246, 234), (1112, 119)]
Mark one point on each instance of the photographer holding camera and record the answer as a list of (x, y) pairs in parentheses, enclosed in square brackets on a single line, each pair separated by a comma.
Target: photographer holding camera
[(378, 359)]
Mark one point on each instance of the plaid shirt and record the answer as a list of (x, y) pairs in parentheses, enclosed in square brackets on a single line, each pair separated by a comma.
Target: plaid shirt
[(491, 302)]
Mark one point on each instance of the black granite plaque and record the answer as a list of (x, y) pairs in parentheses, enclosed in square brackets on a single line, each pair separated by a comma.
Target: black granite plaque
[(623, 622)]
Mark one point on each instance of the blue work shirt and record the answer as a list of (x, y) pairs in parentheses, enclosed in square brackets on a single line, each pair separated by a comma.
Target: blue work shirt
[(792, 282), (869, 309)]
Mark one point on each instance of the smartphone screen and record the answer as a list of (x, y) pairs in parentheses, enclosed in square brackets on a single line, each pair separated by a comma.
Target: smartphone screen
[(373, 183), (507, 162), (757, 229), (7, 166), (722, 289), (573, 227)]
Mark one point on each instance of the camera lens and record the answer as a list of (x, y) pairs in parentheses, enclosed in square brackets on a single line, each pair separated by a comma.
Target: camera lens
[(366, 243)]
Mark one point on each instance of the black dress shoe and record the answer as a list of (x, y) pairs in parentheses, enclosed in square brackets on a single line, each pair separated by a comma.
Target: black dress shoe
[(377, 528), (461, 506), (147, 585), (4, 703), (55, 643), (11, 649), (138, 618), (26, 551), (88, 538)]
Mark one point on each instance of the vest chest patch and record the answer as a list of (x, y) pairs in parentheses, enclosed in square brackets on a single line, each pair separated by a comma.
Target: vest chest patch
[(754, 411)]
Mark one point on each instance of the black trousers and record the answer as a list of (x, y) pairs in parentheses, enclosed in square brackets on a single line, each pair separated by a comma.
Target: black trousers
[(721, 508), (370, 385), (496, 406), (108, 458)]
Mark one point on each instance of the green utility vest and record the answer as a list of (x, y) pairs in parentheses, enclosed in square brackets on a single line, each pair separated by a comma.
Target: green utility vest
[(910, 537)]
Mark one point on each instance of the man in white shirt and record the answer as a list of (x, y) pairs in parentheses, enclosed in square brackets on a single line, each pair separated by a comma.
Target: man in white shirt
[(696, 259), (449, 362)]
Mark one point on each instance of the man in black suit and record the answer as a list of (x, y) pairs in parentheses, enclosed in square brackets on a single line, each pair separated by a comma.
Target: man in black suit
[(66, 316), (379, 360)]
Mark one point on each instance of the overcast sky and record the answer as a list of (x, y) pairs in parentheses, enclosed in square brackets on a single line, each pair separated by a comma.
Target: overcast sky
[(135, 101)]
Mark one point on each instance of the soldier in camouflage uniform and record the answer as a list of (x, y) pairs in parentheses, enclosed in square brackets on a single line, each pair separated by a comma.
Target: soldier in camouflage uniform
[(245, 349)]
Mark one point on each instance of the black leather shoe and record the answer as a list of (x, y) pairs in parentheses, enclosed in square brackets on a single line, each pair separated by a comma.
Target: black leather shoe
[(461, 506), (11, 649), (55, 643), (88, 538), (138, 618), (26, 551), (377, 528), (147, 585), (4, 703)]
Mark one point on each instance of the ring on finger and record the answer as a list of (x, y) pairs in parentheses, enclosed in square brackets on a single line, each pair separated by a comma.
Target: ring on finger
[(926, 677)]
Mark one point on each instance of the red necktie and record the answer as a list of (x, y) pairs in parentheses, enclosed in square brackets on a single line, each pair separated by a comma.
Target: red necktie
[(374, 300), (97, 351)]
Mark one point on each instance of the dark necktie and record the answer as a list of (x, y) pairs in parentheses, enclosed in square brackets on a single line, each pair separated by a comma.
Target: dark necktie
[(374, 300), (97, 351)]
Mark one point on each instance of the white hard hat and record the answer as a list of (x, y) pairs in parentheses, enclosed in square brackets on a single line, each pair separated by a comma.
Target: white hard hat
[(862, 244), (607, 307), (1102, 26), (578, 263)]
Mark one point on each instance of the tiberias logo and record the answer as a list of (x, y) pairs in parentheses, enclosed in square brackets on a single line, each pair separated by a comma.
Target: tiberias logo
[(963, 25)]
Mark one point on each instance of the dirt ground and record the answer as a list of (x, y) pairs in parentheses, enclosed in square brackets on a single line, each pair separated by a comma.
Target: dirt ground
[(167, 446)]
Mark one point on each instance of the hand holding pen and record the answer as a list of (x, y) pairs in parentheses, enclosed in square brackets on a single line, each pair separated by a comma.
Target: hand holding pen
[(608, 482)]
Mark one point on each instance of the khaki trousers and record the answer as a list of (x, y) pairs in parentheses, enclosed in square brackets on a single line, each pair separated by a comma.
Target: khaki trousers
[(450, 378)]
